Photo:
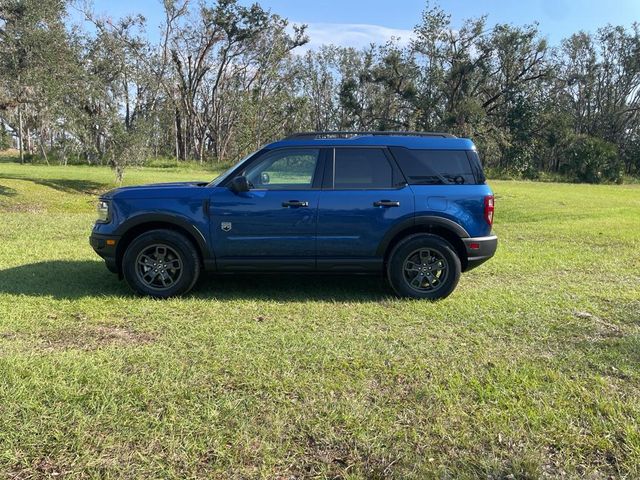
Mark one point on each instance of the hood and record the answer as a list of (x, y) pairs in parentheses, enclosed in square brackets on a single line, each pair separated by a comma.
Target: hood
[(155, 190)]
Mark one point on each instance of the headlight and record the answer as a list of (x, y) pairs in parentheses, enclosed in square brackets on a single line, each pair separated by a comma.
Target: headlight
[(103, 211)]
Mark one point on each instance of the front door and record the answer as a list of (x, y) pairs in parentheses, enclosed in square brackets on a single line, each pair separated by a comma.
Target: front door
[(273, 225)]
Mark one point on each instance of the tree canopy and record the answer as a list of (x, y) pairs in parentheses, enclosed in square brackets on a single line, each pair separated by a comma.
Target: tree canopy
[(223, 79)]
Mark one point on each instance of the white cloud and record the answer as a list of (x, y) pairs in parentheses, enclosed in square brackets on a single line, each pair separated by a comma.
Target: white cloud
[(357, 35)]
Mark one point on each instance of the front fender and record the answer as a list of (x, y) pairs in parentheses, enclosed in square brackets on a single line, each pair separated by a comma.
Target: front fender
[(167, 218)]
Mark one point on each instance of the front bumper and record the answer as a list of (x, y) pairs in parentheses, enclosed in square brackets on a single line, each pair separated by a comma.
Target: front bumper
[(107, 250), (479, 250)]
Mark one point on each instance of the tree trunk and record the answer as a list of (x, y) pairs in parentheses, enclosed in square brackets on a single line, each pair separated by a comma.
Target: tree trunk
[(44, 152), (20, 128), (29, 142), (42, 142), (177, 149), (180, 140), (201, 145)]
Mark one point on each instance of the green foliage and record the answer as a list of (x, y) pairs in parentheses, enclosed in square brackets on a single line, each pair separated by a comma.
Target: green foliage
[(593, 160), (5, 138), (127, 147)]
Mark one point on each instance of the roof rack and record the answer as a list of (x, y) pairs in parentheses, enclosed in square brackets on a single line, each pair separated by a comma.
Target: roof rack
[(345, 134)]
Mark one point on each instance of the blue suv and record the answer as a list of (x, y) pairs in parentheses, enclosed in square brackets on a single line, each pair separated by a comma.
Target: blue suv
[(413, 206)]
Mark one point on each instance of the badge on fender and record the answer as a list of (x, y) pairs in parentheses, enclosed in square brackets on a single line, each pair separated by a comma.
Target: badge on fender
[(225, 226)]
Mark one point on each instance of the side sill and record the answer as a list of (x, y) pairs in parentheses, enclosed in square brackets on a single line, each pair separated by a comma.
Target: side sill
[(274, 264), (292, 265), (353, 265)]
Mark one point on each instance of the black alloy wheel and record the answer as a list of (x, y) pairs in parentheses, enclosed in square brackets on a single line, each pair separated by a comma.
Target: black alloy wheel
[(161, 263)]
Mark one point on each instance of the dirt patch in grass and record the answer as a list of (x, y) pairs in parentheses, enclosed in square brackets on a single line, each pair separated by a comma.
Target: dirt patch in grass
[(21, 208), (603, 328), (86, 339), (94, 338), (338, 458), (40, 468)]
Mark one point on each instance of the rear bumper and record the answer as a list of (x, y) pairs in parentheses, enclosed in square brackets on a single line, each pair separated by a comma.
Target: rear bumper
[(479, 250), (108, 252)]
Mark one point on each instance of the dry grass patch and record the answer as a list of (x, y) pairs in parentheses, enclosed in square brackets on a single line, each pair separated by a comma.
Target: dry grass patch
[(94, 338), (85, 338)]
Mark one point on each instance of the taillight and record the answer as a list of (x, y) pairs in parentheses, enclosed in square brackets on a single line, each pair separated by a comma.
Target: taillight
[(488, 209)]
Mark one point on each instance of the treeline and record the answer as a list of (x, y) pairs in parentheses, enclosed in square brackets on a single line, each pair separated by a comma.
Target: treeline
[(223, 78)]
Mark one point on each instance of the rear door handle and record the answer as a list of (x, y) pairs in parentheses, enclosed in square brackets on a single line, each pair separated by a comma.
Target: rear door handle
[(295, 204), (386, 203)]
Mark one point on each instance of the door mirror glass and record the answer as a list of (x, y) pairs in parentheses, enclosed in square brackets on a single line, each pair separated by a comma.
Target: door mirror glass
[(240, 184)]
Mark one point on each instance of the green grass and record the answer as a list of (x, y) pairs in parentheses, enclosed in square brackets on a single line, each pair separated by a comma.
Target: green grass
[(530, 369)]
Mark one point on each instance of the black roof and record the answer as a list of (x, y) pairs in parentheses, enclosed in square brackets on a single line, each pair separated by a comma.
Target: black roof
[(345, 134)]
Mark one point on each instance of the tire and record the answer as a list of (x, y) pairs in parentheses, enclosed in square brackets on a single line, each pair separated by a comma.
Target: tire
[(161, 264), (423, 266)]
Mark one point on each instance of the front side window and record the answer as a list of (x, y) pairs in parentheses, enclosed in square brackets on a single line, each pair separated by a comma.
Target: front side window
[(223, 176), (289, 169), (362, 168)]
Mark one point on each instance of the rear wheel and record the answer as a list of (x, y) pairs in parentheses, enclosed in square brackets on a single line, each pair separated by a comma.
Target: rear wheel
[(161, 263), (423, 266)]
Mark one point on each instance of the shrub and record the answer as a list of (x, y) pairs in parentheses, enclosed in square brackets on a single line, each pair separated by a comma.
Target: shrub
[(593, 160)]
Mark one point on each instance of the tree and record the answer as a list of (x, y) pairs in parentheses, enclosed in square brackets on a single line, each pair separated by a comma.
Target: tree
[(223, 43), (223, 79), (33, 56)]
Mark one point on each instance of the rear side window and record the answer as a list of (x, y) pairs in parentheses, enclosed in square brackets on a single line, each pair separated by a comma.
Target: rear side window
[(362, 168), (429, 167)]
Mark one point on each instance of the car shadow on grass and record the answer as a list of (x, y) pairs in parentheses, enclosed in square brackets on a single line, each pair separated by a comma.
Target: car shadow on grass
[(72, 279), (66, 185), (61, 279)]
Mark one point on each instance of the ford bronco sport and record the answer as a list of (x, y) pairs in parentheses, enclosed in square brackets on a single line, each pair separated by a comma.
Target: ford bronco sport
[(414, 206)]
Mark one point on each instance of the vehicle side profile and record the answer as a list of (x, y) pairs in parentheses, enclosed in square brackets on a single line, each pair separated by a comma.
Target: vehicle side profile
[(412, 206)]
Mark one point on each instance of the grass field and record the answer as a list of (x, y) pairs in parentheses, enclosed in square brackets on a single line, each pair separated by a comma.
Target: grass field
[(530, 369)]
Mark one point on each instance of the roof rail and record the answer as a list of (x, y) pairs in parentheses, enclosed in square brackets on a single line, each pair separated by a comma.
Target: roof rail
[(345, 134)]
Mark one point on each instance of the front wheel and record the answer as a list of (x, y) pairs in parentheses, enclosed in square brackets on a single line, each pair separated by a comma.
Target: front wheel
[(423, 266), (161, 263)]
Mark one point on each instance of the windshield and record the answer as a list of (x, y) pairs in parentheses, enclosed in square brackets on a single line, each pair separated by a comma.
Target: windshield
[(216, 181)]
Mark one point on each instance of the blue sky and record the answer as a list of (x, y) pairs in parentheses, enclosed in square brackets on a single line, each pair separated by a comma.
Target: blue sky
[(359, 22)]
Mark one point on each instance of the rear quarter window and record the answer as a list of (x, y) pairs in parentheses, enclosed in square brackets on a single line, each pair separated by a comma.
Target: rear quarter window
[(426, 167)]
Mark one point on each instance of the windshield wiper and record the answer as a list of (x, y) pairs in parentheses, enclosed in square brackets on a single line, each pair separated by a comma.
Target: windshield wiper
[(457, 179), (427, 179)]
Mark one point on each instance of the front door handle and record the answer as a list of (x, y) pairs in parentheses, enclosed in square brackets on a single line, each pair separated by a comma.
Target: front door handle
[(295, 204), (386, 203)]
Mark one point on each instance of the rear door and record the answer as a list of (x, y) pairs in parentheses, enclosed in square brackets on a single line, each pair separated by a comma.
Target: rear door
[(364, 194)]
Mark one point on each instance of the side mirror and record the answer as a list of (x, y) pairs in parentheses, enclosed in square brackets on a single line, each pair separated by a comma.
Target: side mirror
[(240, 184)]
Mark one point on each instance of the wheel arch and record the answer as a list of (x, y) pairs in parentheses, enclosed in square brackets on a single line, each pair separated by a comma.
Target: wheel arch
[(443, 227), (140, 224)]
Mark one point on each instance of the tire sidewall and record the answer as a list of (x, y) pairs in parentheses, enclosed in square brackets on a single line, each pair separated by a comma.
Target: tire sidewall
[(183, 247), (395, 266)]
